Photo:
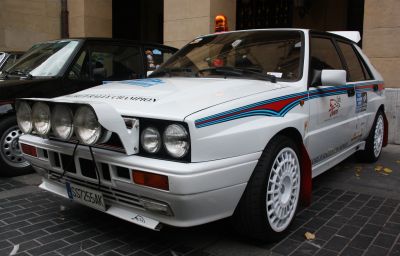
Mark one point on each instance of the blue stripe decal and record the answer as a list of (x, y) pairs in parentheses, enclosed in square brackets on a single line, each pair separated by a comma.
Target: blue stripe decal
[(246, 111)]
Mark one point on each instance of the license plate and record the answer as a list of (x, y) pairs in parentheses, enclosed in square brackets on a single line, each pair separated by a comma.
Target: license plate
[(86, 196)]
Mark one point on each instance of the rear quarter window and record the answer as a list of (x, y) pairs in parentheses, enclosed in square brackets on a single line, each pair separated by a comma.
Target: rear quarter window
[(354, 63)]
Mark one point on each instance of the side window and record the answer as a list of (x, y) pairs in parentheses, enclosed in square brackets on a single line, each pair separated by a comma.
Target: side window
[(155, 56), (108, 62), (324, 55), (353, 63)]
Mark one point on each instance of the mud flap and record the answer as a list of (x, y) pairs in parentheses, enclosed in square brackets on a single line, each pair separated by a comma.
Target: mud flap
[(386, 131), (306, 178)]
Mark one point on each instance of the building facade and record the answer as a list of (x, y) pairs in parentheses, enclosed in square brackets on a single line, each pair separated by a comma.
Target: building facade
[(175, 22)]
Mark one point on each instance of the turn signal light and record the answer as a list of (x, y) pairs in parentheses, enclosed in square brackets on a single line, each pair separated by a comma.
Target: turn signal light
[(150, 180), (28, 150), (221, 23)]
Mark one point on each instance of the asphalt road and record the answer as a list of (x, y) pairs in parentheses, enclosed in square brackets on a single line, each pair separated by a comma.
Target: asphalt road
[(355, 211)]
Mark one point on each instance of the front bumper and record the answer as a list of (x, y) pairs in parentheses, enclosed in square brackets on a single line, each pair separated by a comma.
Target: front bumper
[(198, 192)]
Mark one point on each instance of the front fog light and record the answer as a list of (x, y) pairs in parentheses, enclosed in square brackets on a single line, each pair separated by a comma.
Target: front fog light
[(41, 118), (176, 140), (24, 117), (61, 120), (151, 140), (87, 127)]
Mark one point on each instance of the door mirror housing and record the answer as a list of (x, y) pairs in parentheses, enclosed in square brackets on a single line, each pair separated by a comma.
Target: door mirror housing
[(333, 77)]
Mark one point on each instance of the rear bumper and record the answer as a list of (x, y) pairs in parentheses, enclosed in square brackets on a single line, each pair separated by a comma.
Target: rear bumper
[(199, 192)]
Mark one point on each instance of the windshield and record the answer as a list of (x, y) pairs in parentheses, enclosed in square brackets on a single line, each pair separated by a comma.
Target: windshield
[(239, 54), (45, 59)]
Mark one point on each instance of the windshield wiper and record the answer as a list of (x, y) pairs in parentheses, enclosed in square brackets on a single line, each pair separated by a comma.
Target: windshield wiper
[(240, 71), (260, 73), (169, 71)]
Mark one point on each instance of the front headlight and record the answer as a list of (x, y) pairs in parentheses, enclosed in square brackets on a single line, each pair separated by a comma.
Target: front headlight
[(151, 140), (41, 118), (62, 122), (87, 127), (176, 140), (24, 117)]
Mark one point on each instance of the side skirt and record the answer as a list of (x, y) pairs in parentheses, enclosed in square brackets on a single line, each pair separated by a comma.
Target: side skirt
[(331, 162)]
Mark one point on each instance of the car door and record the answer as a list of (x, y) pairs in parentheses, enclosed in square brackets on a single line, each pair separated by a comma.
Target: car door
[(365, 86), (332, 109), (102, 61)]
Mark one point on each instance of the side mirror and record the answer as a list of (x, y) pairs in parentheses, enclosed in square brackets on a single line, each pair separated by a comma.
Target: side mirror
[(333, 77)]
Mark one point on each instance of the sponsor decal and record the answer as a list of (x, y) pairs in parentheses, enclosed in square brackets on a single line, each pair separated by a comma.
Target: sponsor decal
[(112, 97), (334, 106), (236, 43), (148, 82), (361, 101), (329, 153)]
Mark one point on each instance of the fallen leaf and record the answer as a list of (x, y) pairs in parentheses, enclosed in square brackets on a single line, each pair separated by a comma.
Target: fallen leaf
[(309, 236), (387, 170), (378, 168), (398, 161), (14, 250)]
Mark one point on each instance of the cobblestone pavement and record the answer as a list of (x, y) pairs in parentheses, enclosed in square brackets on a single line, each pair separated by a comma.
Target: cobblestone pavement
[(355, 211)]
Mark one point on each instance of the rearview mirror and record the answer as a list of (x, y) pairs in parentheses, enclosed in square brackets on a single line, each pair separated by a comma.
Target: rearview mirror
[(333, 77)]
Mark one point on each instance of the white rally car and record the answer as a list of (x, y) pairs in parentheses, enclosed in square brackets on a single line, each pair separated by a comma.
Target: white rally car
[(234, 124)]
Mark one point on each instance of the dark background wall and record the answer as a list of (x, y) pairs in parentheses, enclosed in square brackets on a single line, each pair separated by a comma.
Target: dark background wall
[(138, 20)]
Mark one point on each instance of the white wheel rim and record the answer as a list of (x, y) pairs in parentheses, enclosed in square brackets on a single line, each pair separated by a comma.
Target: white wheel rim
[(283, 189), (378, 136)]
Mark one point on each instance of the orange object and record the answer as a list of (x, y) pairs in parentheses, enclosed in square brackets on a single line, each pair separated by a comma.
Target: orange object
[(29, 150), (218, 63), (150, 180), (221, 23)]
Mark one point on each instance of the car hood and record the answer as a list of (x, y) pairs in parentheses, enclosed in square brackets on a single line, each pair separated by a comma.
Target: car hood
[(169, 98), (10, 89)]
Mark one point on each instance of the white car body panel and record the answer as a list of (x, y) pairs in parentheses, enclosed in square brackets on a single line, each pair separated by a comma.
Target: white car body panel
[(230, 122)]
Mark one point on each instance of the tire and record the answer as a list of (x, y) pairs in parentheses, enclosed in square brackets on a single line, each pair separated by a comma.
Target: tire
[(11, 161), (374, 142), (254, 217)]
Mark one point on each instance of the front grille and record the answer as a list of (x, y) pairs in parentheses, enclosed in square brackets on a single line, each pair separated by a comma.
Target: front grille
[(111, 195), (88, 168), (68, 163)]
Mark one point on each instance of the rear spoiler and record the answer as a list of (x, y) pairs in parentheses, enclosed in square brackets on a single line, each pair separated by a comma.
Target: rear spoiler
[(352, 35)]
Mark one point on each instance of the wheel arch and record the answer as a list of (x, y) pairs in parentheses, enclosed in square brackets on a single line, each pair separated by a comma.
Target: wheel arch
[(305, 163)]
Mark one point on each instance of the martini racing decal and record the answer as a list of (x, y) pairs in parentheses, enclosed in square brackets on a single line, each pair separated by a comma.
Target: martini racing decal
[(139, 82), (280, 106)]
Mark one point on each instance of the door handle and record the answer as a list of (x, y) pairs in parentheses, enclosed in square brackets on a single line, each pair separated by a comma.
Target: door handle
[(351, 92)]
